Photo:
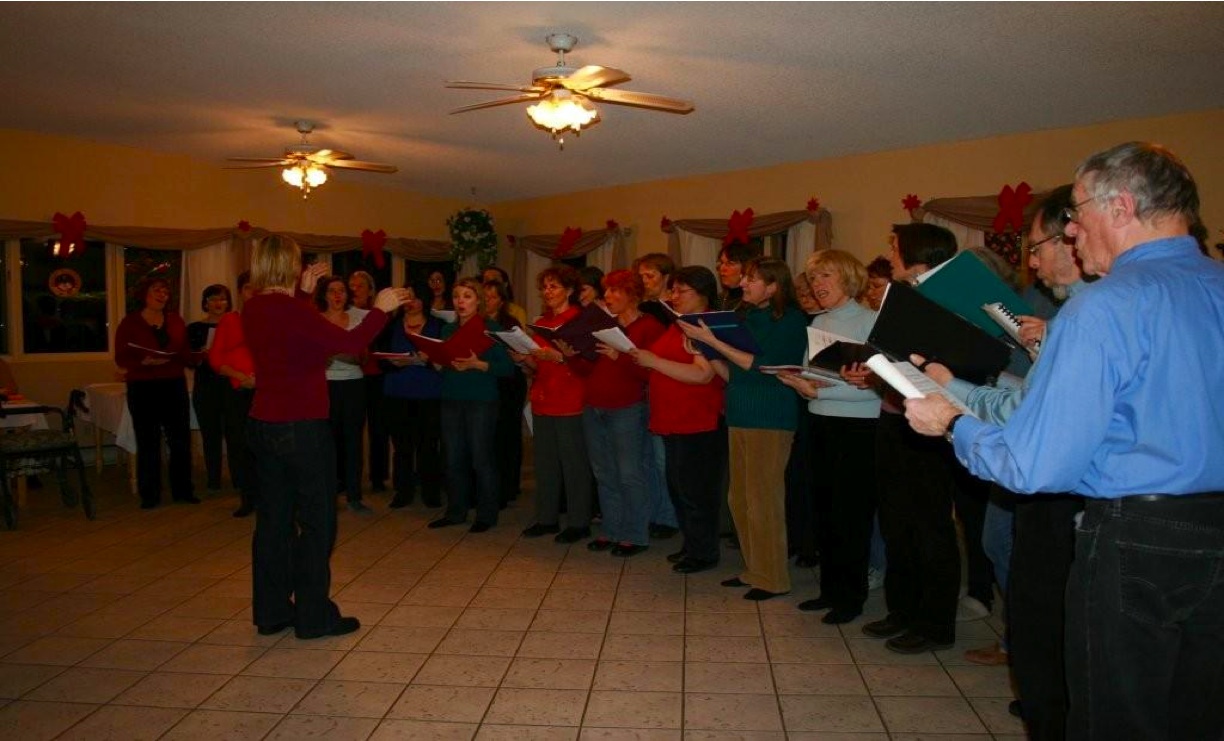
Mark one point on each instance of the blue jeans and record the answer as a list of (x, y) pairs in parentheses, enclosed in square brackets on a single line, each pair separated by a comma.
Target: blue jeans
[(1145, 620), (468, 430), (618, 448), (661, 510), (295, 524)]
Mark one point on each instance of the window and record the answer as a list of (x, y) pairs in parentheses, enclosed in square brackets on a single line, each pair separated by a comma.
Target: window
[(346, 263), (140, 264), (577, 263), (63, 299)]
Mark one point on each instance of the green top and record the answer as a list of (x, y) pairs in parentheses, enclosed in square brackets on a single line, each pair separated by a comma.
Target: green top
[(476, 385), (754, 399)]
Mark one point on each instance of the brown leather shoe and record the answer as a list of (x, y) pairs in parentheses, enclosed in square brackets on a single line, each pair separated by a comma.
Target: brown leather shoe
[(993, 655)]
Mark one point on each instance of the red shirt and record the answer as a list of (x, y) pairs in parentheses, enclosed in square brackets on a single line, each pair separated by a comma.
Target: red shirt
[(291, 342), (229, 348), (136, 331), (678, 408), (616, 384), (556, 391)]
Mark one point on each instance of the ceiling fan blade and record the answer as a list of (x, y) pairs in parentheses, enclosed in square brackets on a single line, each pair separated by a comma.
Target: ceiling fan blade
[(366, 166), (592, 76), (267, 161), (641, 100), (327, 156), (468, 85), (502, 101), (253, 167)]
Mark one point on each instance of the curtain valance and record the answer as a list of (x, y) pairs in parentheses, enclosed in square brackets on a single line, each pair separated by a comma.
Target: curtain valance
[(762, 226), (975, 212)]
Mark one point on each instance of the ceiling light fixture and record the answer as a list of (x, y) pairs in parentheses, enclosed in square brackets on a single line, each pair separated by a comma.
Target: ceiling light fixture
[(562, 111), (304, 175)]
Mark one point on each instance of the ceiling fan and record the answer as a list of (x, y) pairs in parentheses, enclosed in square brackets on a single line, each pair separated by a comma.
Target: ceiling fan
[(563, 93), (306, 165)]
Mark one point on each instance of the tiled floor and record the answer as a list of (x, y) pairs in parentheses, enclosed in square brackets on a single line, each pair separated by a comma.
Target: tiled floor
[(138, 626)]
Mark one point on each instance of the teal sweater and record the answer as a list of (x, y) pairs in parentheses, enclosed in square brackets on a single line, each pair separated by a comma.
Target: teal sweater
[(759, 401), (475, 385)]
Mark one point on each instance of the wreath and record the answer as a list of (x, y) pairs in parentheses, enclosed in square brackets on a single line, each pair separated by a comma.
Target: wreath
[(471, 233)]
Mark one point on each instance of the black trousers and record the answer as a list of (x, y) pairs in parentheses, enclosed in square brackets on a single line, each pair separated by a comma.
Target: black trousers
[(695, 463), (970, 496), (416, 432), (377, 429), (512, 394), (845, 451), (237, 404), (801, 522), (347, 415), (922, 583), (160, 407), (1042, 554), (295, 524), (208, 398)]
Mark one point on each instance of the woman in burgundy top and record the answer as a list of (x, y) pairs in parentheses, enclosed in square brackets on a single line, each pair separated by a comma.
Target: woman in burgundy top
[(151, 346), (615, 421), (295, 526)]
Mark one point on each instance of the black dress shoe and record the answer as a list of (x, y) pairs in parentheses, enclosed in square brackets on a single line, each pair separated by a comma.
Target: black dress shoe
[(573, 534), (1015, 708), (343, 626), (815, 605), (626, 550), (600, 544), (887, 628), (244, 510), (734, 581), (662, 532), (912, 642), (839, 615), (400, 500), (760, 595), (688, 565), (271, 630), (479, 527), (539, 529), (676, 557), (443, 522)]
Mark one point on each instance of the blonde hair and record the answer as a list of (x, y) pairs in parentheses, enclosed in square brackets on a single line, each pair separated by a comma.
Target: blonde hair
[(276, 262), (850, 271), (476, 287)]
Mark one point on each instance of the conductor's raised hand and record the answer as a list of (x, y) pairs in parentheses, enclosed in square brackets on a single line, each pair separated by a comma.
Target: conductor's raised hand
[(390, 299), (311, 276)]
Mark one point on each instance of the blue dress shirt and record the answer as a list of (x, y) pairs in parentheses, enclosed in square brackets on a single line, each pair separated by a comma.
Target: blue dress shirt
[(1128, 400)]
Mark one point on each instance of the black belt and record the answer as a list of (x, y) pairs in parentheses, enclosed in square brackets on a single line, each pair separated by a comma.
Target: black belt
[(1211, 495)]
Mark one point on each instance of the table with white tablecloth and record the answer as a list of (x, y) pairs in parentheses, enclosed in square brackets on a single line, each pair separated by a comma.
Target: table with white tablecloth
[(108, 412)]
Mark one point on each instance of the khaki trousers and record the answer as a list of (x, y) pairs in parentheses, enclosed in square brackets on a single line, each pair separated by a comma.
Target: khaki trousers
[(757, 499)]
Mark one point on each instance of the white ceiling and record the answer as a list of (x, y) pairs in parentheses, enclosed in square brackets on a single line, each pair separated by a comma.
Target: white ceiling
[(772, 82)]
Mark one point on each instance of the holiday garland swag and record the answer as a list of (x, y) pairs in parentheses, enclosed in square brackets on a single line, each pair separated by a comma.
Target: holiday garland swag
[(471, 233)]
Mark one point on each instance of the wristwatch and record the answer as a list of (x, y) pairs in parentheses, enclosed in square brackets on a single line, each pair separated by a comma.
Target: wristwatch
[(952, 426)]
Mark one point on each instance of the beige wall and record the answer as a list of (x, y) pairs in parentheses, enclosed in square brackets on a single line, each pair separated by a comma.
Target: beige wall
[(864, 192)]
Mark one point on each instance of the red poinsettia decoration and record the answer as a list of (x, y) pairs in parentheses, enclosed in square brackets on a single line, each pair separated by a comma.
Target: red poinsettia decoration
[(511, 239), (665, 225), (1011, 208), (612, 225), (569, 238), (911, 202), (372, 244), (738, 226), (72, 233), (244, 226), (813, 204)]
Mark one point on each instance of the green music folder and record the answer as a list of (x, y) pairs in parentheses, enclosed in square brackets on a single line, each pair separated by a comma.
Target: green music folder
[(964, 284)]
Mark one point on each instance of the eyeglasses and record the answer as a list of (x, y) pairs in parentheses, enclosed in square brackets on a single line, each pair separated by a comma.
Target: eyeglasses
[(1071, 213), (1033, 247)]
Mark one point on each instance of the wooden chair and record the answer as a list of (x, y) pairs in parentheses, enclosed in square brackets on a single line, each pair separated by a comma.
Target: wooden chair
[(25, 452)]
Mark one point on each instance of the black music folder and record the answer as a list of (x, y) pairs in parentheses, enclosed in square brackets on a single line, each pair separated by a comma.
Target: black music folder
[(909, 322)]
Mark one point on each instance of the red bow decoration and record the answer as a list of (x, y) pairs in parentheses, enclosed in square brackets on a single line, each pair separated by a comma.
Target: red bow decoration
[(244, 226), (72, 233), (1011, 208), (665, 225), (813, 204), (372, 244), (737, 227), (910, 202), (569, 238), (612, 225)]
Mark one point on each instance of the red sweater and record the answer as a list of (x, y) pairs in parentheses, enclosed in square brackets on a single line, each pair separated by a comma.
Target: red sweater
[(291, 342), (616, 384), (229, 348), (678, 408), (135, 330), (556, 391)]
